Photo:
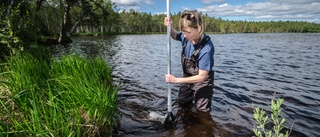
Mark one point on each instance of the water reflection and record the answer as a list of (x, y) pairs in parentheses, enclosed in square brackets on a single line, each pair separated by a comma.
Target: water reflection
[(191, 123)]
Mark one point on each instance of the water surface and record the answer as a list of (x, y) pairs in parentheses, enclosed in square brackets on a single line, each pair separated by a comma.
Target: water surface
[(249, 69)]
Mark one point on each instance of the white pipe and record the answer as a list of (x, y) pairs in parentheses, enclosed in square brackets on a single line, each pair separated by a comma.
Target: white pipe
[(169, 55)]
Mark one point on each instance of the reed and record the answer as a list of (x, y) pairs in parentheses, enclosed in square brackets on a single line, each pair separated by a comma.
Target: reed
[(71, 96)]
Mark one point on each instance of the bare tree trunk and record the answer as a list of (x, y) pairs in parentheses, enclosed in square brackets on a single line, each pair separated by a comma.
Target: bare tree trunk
[(76, 25), (7, 4), (63, 31), (39, 2), (10, 2)]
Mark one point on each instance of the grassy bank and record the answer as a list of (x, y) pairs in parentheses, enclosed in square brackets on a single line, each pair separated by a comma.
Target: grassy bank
[(71, 96)]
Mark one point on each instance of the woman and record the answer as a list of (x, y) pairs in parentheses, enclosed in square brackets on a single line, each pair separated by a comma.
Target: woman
[(197, 62)]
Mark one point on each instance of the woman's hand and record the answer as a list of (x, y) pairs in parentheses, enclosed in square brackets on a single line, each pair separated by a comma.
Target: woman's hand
[(167, 20), (171, 79)]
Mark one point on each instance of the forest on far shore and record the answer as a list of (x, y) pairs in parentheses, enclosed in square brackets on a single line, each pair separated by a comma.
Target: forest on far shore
[(24, 23)]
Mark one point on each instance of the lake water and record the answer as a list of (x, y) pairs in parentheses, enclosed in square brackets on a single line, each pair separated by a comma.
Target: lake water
[(249, 69)]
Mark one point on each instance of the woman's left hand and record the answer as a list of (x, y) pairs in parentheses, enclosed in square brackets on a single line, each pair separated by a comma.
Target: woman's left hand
[(170, 78)]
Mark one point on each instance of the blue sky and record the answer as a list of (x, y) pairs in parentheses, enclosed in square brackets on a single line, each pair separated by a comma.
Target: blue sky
[(250, 10)]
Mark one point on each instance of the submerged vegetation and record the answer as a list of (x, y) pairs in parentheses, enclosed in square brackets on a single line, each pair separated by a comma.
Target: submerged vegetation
[(70, 96)]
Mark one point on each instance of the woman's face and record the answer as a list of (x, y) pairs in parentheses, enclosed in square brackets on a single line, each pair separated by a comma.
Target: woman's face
[(190, 33)]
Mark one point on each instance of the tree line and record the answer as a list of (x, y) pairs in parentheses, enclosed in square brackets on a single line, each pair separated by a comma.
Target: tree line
[(53, 21)]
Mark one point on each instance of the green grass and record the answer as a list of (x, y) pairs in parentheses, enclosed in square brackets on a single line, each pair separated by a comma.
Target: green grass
[(71, 96)]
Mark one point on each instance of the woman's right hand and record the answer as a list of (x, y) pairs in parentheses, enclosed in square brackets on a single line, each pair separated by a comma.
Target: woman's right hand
[(167, 20)]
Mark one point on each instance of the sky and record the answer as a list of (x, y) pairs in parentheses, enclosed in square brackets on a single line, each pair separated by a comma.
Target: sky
[(249, 10)]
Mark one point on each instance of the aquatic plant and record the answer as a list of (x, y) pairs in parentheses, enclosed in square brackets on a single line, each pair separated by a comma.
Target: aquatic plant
[(71, 96), (262, 120)]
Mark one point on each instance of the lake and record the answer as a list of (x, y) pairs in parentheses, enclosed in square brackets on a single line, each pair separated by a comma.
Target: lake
[(250, 70)]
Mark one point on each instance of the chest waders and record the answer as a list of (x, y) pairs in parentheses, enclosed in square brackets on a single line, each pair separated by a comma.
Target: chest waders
[(201, 92)]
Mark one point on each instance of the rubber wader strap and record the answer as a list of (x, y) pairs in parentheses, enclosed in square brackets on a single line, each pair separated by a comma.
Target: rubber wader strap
[(202, 44)]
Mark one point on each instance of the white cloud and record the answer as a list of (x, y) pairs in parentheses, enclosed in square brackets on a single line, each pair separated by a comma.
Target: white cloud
[(126, 2), (306, 10), (211, 1), (132, 4), (280, 10), (295, 1)]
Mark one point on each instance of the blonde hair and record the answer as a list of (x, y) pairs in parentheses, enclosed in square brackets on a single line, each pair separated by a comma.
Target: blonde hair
[(192, 19)]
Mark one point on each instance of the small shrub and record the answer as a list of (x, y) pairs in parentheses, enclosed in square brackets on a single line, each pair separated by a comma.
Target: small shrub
[(262, 119)]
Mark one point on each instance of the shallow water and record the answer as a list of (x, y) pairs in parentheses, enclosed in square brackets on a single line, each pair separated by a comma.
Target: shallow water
[(249, 69)]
